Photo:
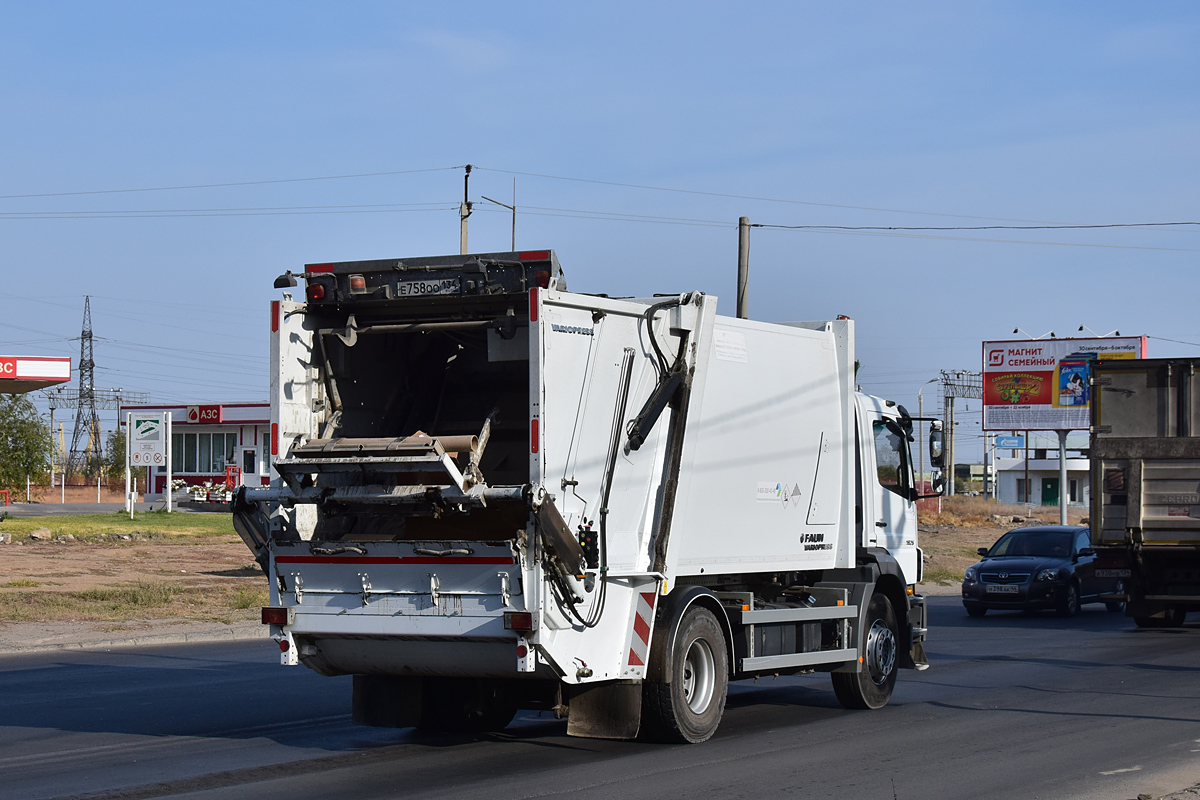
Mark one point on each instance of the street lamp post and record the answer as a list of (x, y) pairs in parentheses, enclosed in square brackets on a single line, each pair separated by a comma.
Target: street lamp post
[(920, 430)]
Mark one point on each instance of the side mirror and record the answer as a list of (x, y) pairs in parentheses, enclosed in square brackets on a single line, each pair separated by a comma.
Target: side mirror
[(1084, 552), (936, 455), (937, 485), (983, 551)]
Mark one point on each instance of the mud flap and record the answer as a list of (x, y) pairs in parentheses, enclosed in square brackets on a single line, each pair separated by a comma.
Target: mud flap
[(610, 710)]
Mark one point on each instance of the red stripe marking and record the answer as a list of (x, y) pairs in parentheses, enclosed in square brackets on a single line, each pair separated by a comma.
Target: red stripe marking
[(634, 661), (649, 598), (533, 304), (392, 560), (274, 315), (533, 435), (641, 629)]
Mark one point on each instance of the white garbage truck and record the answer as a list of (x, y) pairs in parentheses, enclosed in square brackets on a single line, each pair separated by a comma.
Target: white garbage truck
[(491, 494)]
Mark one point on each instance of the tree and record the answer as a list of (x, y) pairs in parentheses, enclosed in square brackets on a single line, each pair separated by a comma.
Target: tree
[(24, 442), (114, 457)]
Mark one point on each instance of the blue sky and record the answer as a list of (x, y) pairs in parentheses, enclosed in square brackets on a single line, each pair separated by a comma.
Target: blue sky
[(876, 114)]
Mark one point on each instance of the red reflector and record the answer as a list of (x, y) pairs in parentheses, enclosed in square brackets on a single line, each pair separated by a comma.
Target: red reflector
[(316, 291), (518, 620), (522, 651), (533, 305), (534, 255), (533, 435), (284, 645), (274, 616), (542, 278), (318, 268), (274, 315), (274, 439)]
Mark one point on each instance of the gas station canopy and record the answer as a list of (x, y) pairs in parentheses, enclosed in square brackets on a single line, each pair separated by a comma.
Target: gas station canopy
[(20, 374)]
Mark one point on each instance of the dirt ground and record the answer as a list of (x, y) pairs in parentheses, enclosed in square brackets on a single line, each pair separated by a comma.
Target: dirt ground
[(105, 574)]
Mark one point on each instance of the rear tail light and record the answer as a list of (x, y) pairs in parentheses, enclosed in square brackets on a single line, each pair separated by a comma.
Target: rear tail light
[(542, 278), (358, 284), (316, 291), (518, 620), (274, 616)]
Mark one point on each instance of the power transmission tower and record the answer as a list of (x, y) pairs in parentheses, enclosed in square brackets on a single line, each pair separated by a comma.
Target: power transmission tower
[(87, 421)]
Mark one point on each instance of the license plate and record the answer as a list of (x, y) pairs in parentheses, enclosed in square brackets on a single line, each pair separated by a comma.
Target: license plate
[(1002, 589), (1112, 573), (428, 288)]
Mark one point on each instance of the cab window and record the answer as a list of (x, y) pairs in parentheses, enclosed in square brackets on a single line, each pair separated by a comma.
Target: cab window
[(891, 460)]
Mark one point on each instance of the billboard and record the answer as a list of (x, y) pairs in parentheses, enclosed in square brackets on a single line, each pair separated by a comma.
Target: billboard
[(1042, 384)]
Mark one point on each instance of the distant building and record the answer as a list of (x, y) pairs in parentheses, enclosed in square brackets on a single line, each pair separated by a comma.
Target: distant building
[(205, 439), (1043, 487)]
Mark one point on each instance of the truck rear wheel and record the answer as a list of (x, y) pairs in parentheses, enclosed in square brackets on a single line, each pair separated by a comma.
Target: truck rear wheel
[(465, 705), (689, 708), (871, 687)]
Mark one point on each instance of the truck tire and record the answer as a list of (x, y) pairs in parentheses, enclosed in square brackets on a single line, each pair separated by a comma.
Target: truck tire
[(1114, 605), (689, 708), (871, 687), (465, 705), (1068, 606)]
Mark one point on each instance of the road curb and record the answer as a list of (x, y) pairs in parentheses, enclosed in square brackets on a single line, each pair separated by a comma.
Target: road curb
[(231, 634)]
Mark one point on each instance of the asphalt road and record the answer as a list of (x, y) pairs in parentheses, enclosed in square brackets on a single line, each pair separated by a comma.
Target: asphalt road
[(1013, 707)]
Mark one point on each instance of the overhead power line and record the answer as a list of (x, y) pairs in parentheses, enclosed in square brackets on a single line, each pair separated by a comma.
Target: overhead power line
[(1047, 227), (743, 196), (228, 184)]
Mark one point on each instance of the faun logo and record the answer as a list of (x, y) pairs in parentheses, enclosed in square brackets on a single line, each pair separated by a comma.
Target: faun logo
[(996, 358), (574, 329), (1017, 388)]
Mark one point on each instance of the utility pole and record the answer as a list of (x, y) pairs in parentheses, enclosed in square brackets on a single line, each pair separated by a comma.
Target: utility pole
[(743, 278), (464, 211)]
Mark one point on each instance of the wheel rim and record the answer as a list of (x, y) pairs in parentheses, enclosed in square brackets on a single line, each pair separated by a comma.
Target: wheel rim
[(699, 676), (881, 652), (1072, 598)]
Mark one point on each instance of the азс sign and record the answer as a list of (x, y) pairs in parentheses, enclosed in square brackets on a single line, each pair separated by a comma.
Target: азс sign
[(1042, 384)]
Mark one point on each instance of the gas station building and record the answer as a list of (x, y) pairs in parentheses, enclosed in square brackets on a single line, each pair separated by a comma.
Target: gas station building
[(205, 439)]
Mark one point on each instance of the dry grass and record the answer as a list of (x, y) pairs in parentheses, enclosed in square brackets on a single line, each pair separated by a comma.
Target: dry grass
[(178, 527), (140, 601)]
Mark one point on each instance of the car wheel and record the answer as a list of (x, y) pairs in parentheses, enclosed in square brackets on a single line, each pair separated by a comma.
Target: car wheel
[(1115, 606), (689, 708), (1068, 606), (871, 687), (976, 611)]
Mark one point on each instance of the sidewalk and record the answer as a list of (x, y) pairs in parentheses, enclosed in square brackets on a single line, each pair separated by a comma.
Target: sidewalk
[(33, 637)]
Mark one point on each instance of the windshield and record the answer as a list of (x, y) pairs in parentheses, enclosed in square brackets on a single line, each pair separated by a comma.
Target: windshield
[(1033, 543)]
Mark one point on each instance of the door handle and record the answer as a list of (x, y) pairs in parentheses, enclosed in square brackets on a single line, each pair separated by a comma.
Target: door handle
[(881, 524)]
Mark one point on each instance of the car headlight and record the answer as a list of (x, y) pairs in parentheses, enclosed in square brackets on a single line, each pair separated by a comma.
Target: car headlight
[(1048, 574), (971, 574)]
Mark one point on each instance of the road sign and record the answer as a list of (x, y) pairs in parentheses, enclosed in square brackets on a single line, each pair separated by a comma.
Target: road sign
[(1010, 442), (147, 440)]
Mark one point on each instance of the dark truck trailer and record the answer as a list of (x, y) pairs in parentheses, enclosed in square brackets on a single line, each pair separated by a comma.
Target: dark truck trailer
[(1145, 453)]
